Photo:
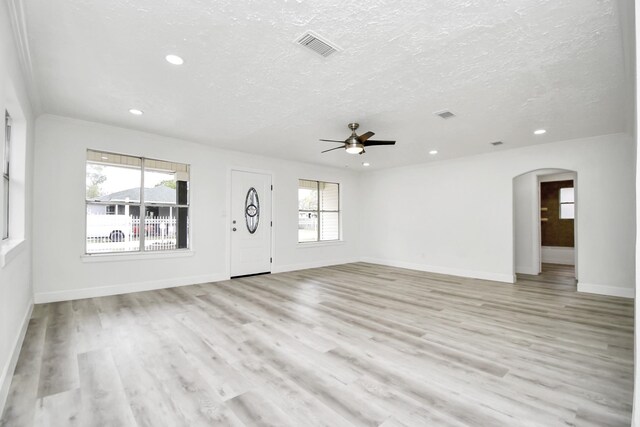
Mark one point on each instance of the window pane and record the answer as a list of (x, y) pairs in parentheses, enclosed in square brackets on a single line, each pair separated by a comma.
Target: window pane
[(110, 232), (112, 177), (7, 142), (163, 230), (5, 208), (307, 195), (165, 182), (6, 184), (329, 196), (307, 226), (567, 211), (329, 226), (566, 195)]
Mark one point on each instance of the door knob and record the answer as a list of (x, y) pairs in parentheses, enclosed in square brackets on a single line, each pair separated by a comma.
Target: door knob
[(234, 229)]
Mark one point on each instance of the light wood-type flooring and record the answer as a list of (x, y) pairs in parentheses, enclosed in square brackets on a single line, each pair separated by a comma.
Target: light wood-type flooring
[(557, 276), (355, 344)]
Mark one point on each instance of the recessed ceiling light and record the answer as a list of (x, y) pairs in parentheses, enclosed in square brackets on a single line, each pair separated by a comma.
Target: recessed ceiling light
[(104, 158), (433, 152), (540, 132), (174, 59), (135, 112), (365, 164)]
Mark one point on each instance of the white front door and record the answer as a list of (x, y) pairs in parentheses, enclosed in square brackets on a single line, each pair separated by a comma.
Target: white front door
[(250, 223)]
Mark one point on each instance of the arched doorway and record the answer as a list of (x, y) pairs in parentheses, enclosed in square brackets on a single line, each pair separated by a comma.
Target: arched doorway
[(545, 225)]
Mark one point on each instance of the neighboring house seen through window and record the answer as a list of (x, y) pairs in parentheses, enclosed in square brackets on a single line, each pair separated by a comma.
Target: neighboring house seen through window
[(318, 211), (135, 204)]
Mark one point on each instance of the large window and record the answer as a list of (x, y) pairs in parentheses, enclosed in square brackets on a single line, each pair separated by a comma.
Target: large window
[(135, 204), (5, 175), (318, 211)]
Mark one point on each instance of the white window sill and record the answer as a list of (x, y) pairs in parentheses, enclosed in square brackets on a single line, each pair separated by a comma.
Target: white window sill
[(9, 249), (135, 256), (320, 244)]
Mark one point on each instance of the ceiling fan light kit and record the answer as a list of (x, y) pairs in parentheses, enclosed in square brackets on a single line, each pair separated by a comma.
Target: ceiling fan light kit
[(355, 144), (355, 149)]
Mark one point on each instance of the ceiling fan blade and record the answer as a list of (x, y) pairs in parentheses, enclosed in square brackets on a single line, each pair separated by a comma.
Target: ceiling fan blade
[(332, 140), (366, 136), (331, 149), (374, 142)]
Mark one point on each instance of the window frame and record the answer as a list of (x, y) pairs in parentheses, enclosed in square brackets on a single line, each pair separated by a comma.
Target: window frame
[(561, 203), (142, 206), (6, 175), (318, 212)]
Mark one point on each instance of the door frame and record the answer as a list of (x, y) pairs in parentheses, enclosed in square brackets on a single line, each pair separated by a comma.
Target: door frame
[(227, 213), (536, 226), (540, 179)]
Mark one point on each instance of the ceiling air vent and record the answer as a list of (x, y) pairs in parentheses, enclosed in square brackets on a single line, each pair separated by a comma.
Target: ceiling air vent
[(444, 114), (317, 44), (496, 143)]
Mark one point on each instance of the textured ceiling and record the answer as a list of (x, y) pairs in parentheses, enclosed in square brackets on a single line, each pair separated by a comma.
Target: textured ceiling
[(504, 68)]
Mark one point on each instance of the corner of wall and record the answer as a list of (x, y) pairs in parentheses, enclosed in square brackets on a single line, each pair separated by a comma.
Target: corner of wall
[(7, 371), (471, 274), (612, 291)]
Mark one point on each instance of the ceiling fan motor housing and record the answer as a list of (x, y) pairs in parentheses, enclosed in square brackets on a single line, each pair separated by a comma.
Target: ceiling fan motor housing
[(353, 145)]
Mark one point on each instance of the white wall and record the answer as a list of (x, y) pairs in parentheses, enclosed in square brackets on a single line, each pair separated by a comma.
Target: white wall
[(636, 121), (16, 298), (558, 255), (526, 229), (456, 217), (62, 273)]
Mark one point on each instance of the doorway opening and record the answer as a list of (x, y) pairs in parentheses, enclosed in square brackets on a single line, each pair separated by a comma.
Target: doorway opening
[(545, 227)]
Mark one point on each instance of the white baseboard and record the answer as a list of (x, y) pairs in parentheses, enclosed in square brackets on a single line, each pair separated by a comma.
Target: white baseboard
[(558, 255), (528, 270), (126, 288), (9, 368), (307, 265), (612, 291), (484, 275)]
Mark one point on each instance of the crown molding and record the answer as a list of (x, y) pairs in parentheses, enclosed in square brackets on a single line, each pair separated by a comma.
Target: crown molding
[(21, 38)]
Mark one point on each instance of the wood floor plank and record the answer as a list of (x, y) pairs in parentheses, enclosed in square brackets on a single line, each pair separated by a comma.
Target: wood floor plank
[(104, 402), (61, 409), (59, 367), (254, 410), (23, 392), (293, 399), (349, 345)]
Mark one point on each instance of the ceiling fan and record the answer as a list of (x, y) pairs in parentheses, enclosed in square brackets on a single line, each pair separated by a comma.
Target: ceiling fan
[(355, 144)]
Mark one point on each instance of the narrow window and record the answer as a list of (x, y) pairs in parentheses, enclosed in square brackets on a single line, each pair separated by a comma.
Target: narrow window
[(5, 175), (567, 203), (318, 211), (134, 204)]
